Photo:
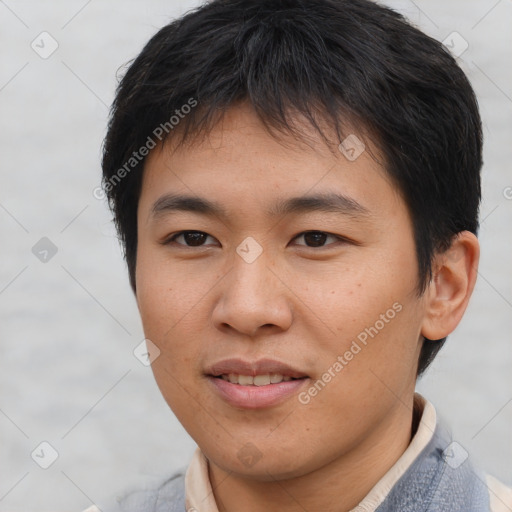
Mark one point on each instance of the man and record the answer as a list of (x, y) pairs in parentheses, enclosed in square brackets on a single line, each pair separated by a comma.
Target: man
[(296, 185)]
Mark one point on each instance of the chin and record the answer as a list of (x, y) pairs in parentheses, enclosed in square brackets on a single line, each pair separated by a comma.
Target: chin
[(260, 467)]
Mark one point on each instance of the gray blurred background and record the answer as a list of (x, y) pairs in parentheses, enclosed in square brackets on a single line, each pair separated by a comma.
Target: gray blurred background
[(69, 323)]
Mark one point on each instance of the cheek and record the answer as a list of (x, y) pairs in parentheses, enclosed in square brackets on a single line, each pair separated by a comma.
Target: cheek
[(370, 316), (165, 294), (160, 310), (169, 324), (347, 300), (169, 302)]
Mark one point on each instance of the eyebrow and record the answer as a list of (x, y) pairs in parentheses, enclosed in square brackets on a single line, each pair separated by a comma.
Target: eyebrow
[(323, 202)]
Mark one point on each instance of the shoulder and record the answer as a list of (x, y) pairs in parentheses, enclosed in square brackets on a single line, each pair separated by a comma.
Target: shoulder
[(165, 495), (500, 495)]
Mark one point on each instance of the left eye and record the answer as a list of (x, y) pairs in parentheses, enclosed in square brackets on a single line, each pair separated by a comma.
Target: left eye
[(317, 238)]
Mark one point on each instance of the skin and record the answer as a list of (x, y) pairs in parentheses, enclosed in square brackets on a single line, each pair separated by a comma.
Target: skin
[(298, 303)]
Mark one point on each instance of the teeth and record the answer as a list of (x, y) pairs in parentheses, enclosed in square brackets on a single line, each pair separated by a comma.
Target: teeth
[(245, 380), (259, 380)]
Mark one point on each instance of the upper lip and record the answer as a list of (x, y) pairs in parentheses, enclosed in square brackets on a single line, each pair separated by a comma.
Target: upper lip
[(259, 367)]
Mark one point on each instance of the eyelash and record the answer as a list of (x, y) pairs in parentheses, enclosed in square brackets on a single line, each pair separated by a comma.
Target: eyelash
[(171, 240)]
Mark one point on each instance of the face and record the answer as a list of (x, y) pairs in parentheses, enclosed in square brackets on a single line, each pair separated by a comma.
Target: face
[(282, 298)]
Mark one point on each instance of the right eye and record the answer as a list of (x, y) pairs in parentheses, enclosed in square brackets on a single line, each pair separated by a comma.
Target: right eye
[(191, 238)]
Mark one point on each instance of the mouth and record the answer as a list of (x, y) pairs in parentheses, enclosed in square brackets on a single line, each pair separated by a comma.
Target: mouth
[(255, 385), (261, 372), (256, 380)]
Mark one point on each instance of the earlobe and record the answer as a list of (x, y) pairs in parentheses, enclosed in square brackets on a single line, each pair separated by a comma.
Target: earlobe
[(454, 276)]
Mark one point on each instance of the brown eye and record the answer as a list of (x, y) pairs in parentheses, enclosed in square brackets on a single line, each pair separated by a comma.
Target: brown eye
[(317, 238), (191, 238)]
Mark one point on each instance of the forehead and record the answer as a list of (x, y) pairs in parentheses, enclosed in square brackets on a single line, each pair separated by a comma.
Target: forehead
[(240, 162)]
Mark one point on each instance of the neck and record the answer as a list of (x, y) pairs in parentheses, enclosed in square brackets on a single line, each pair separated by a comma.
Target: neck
[(344, 482)]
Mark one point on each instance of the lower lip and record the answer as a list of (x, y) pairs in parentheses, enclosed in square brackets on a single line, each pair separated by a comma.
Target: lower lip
[(256, 397)]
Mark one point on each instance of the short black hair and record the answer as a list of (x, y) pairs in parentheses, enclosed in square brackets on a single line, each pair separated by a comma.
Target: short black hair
[(352, 62)]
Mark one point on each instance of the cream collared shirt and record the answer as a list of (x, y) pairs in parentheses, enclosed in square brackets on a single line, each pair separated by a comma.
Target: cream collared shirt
[(199, 495)]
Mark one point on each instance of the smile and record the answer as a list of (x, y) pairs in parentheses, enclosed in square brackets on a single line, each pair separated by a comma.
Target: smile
[(257, 380)]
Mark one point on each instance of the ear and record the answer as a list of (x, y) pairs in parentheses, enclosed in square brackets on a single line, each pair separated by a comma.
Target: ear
[(454, 276)]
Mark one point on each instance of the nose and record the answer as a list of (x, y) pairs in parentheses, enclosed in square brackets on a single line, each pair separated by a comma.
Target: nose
[(253, 299)]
